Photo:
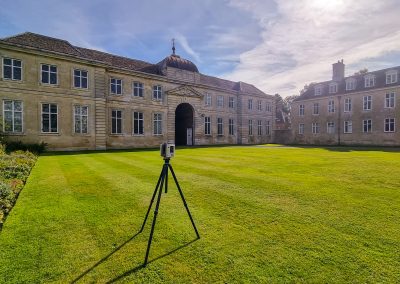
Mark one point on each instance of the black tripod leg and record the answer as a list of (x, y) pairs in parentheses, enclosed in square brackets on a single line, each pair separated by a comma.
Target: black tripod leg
[(183, 199), (164, 172), (152, 200)]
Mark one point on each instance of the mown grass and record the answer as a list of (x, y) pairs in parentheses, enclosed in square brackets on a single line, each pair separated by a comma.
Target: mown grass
[(265, 215)]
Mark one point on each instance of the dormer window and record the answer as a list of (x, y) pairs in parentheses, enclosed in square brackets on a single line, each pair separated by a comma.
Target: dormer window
[(391, 77), (318, 90), (333, 88), (369, 81), (350, 84)]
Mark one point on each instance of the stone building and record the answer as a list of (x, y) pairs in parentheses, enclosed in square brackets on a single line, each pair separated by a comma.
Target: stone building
[(360, 109), (75, 98)]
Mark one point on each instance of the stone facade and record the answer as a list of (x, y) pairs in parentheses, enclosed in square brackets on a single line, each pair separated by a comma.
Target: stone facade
[(94, 117), (356, 110)]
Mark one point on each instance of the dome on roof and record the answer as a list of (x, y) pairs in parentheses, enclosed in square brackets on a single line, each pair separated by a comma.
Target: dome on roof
[(176, 61)]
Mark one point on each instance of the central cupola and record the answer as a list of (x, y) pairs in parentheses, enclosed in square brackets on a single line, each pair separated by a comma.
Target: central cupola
[(175, 61)]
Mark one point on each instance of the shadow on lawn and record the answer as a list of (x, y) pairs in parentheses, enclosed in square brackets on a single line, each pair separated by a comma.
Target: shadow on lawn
[(133, 270)]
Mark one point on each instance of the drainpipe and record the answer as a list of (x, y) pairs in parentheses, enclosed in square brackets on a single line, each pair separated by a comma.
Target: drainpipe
[(339, 119)]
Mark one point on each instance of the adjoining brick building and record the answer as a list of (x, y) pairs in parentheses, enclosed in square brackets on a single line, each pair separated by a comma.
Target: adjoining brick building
[(76, 98), (354, 110)]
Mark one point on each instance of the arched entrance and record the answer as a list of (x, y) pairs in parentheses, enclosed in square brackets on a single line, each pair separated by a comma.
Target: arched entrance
[(184, 130)]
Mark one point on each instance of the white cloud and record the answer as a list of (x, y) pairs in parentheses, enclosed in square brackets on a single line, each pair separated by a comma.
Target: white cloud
[(185, 45), (302, 41)]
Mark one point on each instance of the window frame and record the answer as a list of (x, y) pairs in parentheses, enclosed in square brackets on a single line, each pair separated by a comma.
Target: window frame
[(80, 78), (367, 103), (301, 129), (12, 66), (333, 88), (348, 105), (138, 122), (158, 128), (315, 128), (231, 103), (250, 128), (268, 128), (331, 106), (369, 81), (231, 124), (259, 127), (390, 124), (158, 93), (347, 126), (259, 105), (316, 109), (330, 127), (208, 100), (13, 116), (49, 74), (301, 110), (50, 120), (350, 84), (390, 100), (207, 125), (116, 84), (80, 115), (121, 119), (250, 104), (391, 74), (220, 126), (367, 125), (139, 89), (220, 101)]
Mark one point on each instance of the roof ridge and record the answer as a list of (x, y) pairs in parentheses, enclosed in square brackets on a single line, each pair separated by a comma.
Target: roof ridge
[(114, 55)]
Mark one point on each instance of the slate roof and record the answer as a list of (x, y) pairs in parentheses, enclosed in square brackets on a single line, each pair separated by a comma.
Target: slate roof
[(60, 46), (380, 82)]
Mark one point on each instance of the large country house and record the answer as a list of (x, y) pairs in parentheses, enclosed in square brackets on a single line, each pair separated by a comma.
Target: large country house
[(361, 109), (75, 98)]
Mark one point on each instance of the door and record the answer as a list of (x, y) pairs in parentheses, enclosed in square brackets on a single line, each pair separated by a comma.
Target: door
[(189, 136)]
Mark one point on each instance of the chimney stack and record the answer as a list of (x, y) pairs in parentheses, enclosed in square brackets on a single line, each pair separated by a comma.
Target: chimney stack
[(338, 71)]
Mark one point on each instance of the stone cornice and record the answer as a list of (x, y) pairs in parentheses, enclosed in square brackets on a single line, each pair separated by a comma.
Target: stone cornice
[(186, 91)]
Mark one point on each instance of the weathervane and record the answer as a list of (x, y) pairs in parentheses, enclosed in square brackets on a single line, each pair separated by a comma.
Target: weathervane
[(173, 46)]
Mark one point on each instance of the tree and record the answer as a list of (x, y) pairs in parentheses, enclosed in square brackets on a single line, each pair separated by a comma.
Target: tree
[(362, 71)]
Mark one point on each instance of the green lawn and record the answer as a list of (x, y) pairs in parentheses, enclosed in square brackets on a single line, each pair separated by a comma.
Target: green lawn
[(265, 215)]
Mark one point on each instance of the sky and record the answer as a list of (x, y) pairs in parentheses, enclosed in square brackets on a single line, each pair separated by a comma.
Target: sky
[(276, 45)]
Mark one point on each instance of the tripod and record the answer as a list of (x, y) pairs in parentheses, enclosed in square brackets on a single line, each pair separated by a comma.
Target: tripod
[(163, 179)]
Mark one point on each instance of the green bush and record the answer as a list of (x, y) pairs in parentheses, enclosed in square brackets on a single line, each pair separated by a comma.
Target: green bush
[(7, 196), (37, 148)]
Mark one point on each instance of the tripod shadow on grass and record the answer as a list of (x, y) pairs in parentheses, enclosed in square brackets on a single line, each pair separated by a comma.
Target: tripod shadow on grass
[(133, 270), (137, 268)]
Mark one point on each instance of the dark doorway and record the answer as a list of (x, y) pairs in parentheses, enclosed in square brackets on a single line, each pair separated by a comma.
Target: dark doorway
[(184, 130)]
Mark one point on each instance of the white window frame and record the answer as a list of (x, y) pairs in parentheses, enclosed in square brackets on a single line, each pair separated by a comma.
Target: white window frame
[(315, 128), (390, 100), (331, 106), (391, 77), (117, 119), (250, 104), (301, 110), (136, 122), (347, 126), (259, 127), (137, 89), (316, 109), (333, 88), (231, 126), (220, 101), (330, 127), (207, 125), (232, 102), (49, 72), (250, 127), (157, 92), (367, 103), (115, 82), (268, 128), (157, 123), (50, 120), (391, 123), (318, 90), (259, 105), (347, 105), (80, 77), (350, 84), (369, 81), (13, 111), (12, 66), (80, 115), (367, 123), (301, 128), (268, 107), (208, 100), (220, 126)]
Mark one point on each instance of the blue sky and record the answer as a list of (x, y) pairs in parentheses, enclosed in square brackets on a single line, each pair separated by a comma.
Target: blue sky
[(277, 45)]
